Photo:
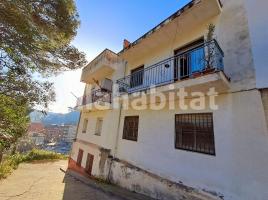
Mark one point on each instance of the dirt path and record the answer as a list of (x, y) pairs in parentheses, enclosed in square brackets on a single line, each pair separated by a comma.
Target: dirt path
[(45, 181)]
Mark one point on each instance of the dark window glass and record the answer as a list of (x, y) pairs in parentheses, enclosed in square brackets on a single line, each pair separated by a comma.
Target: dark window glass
[(131, 126), (194, 132), (136, 78)]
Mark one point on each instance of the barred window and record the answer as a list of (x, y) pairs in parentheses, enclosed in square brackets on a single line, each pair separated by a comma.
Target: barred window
[(194, 132), (131, 126)]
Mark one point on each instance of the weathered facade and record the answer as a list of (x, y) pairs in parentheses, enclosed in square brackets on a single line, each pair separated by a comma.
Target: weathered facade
[(175, 153)]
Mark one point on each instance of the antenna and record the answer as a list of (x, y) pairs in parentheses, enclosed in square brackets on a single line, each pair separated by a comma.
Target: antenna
[(74, 95)]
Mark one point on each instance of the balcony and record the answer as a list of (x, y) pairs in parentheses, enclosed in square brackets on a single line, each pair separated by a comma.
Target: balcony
[(102, 66), (201, 66), (97, 100), (191, 17)]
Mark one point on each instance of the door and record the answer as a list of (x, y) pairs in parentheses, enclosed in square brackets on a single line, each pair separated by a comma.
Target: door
[(136, 78), (90, 159), (189, 59), (79, 157)]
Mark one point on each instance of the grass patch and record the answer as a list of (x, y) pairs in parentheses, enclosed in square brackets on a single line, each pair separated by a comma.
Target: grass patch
[(12, 162)]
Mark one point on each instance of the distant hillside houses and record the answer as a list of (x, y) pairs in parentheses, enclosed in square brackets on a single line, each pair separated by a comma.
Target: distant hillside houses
[(70, 118), (42, 134)]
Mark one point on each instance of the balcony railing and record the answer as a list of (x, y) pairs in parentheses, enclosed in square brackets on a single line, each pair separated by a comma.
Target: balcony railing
[(206, 58), (95, 96)]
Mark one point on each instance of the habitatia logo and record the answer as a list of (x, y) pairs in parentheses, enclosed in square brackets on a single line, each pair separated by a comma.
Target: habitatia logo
[(153, 99)]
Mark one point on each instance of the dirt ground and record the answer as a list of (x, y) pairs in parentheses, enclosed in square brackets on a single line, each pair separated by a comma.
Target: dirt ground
[(45, 181)]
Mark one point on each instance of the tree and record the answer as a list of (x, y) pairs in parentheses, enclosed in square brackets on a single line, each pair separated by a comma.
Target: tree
[(13, 121), (35, 38), (210, 46)]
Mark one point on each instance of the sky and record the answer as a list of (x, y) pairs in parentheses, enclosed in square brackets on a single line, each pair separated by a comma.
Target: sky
[(105, 24)]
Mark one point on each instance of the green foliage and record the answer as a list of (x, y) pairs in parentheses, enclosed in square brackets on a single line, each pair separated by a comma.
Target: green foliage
[(210, 33), (12, 162), (42, 155), (36, 35), (34, 44), (13, 120)]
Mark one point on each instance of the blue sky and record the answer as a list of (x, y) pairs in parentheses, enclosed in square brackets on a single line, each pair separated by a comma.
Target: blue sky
[(105, 24)]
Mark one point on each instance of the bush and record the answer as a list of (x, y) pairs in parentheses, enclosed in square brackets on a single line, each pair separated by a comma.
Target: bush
[(12, 162)]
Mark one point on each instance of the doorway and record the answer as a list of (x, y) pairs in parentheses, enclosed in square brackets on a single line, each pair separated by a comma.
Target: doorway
[(189, 59), (89, 164)]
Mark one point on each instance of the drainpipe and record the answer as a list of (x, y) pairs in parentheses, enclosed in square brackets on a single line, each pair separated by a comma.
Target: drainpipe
[(117, 133), (119, 118)]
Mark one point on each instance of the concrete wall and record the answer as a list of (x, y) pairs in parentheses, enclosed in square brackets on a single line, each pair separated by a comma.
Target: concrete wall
[(141, 181), (232, 34), (258, 28), (237, 171), (109, 128), (101, 162), (264, 95)]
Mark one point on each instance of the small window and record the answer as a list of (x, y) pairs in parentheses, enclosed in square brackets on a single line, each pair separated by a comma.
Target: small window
[(131, 126), (84, 130), (194, 132), (98, 126), (79, 157)]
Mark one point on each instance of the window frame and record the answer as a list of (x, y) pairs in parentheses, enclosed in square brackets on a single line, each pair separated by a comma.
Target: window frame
[(85, 125), (125, 136), (98, 128), (195, 149)]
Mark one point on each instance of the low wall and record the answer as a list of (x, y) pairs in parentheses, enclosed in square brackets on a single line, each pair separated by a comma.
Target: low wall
[(144, 182)]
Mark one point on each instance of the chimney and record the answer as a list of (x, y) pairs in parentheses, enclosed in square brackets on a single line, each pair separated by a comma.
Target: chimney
[(126, 44)]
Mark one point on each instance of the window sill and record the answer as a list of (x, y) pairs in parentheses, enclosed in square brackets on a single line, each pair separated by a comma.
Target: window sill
[(196, 151)]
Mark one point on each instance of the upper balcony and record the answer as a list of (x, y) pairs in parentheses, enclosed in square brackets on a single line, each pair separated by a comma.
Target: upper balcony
[(188, 22), (101, 67), (97, 100), (198, 69)]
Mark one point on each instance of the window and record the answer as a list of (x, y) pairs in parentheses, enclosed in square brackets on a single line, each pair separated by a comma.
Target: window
[(136, 78), (194, 132), (79, 157), (131, 125), (98, 126), (84, 130)]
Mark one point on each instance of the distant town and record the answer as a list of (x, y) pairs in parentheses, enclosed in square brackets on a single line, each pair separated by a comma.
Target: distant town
[(51, 131)]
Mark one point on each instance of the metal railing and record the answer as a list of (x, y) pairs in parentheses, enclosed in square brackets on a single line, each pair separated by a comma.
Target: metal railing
[(95, 96), (205, 58)]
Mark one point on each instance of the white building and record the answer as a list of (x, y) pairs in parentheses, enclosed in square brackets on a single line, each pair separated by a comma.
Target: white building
[(69, 132), (36, 132), (182, 152)]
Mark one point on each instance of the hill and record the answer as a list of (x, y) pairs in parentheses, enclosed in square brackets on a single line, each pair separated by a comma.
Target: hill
[(55, 118)]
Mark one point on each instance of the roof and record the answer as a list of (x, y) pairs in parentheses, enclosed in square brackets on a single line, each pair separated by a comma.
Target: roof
[(36, 127), (164, 22)]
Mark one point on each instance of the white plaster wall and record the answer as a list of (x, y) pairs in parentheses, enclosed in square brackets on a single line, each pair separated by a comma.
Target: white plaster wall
[(239, 169), (93, 150), (232, 34), (107, 138), (109, 128), (258, 27)]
